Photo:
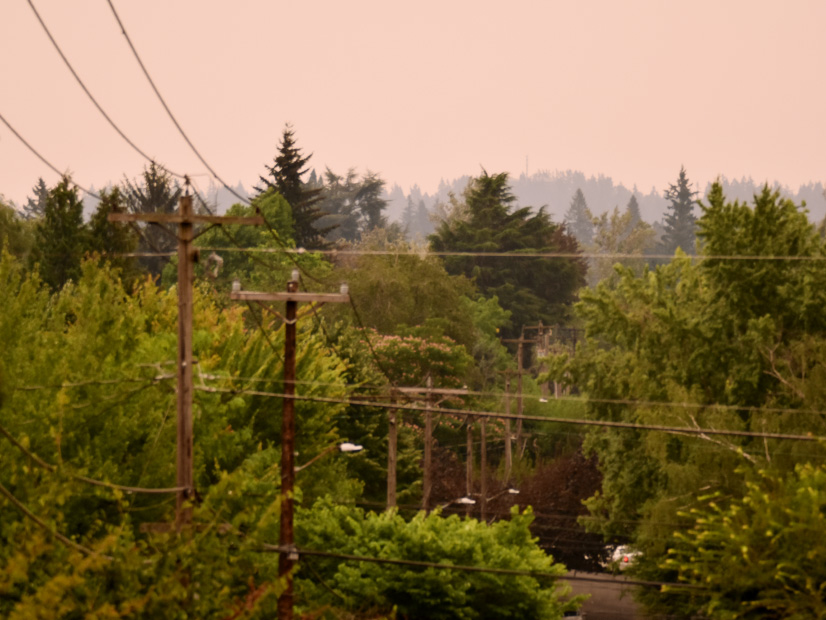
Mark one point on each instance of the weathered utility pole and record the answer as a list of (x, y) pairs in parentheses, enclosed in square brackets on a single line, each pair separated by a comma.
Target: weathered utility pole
[(187, 256), (429, 392), (519, 372), (483, 467), (508, 435), (427, 482), (469, 462), (288, 556), (392, 443)]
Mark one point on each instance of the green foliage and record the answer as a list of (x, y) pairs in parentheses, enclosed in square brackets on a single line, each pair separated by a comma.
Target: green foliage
[(87, 387), (579, 220), (114, 238), (61, 239), (679, 220), (354, 206), (36, 207), (415, 592), (286, 178), (759, 556), (732, 340), (156, 192), (620, 233), (16, 234), (411, 358), (532, 289)]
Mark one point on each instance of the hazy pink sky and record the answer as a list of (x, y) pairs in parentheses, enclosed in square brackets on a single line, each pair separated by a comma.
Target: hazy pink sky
[(422, 91)]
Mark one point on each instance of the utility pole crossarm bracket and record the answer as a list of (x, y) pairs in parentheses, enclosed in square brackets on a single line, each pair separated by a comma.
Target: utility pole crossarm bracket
[(296, 296), (177, 218)]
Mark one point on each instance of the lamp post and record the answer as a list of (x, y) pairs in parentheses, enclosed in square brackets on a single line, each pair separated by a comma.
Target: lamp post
[(346, 447)]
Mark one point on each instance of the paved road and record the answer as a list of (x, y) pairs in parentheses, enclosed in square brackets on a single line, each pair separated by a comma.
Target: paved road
[(611, 599)]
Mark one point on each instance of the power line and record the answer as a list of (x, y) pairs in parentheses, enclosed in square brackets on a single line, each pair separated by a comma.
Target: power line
[(168, 111), (43, 159), (91, 97), (100, 483), (57, 535), (568, 255), (471, 569), (676, 430)]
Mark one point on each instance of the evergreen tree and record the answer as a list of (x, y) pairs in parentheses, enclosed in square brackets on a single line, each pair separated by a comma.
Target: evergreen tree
[(157, 193), (633, 211), (61, 237), (424, 225), (286, 173), (112, 239), (680, 223), (532, 289), (352, 206), (579, 220), (409, 219), (16, 234), (35, 207), (370, 203)]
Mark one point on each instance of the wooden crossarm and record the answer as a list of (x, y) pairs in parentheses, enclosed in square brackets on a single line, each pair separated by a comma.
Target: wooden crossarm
[(176, 218)]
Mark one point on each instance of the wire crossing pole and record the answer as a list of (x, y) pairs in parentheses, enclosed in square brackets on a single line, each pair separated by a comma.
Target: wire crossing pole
[(187, 256), (288, 556)]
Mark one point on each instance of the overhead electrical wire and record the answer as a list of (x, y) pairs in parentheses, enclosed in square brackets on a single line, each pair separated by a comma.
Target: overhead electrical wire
[(43, 159), (168, 111), (92, 98), (675, 430), (472, 569), (566, 255)]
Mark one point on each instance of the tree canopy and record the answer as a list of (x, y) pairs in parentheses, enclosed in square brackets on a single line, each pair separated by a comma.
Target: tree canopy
[(530, 288), (679, 220), (286, 177), (723, 344)]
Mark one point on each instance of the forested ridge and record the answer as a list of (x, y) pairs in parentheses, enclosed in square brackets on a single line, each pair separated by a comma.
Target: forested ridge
[(591, 381)]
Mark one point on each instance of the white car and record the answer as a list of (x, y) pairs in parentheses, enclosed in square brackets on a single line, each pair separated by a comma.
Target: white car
[(623, 556)]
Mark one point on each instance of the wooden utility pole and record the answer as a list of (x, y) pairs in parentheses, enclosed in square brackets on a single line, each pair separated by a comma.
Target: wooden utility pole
[(429, 392), (519, 372), (508, 450), (469, 462), (392, 443), (187, 256), (483, 467), (427, 482), (288, 556)]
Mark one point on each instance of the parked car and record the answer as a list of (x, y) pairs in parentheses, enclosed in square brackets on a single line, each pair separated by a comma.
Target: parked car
[(623, 556)]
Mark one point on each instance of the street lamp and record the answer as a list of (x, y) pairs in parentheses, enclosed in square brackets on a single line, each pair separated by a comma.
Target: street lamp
[(341, 447)]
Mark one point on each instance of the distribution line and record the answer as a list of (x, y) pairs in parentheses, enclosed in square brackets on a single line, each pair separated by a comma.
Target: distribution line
[(569, 255), (91, 97), (571, 399), (43, 159), (168, 111), (472, 569), (39, 522), (100, 483), (676, 430)]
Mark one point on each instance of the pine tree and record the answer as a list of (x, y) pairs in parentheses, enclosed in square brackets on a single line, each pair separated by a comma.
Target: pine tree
[(286, 173), (35, 207), (113, 239), (679, 221), (579, 220), (531, 289), (424, 225), (61, 237), (158, 193), (633, 210), (409, 219)]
